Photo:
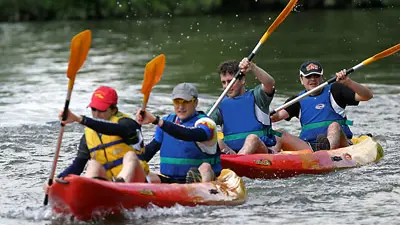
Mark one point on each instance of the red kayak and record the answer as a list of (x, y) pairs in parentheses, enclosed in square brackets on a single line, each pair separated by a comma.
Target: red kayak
[(87, 198), (292, 163)]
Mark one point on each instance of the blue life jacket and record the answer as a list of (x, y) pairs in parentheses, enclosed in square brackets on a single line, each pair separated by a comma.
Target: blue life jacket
[(177, 156), (239, 117), (317, 114)]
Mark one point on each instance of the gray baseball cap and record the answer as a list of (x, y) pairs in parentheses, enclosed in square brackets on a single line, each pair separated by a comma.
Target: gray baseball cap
[(184, 91)]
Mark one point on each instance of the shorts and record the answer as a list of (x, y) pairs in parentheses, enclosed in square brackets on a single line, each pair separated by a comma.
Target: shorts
[(314, 144), (170, 180)]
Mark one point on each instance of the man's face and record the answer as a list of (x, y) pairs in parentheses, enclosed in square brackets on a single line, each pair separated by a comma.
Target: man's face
[(311, 81), (183, 108), (236, 88)]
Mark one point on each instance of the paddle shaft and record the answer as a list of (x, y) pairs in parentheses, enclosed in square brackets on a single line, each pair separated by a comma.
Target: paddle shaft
[(374, 58), (237, 75), (285, 12), (58, 146), (312, 91)]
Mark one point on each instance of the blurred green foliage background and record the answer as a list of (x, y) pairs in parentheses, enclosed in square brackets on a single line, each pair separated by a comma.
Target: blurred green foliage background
[(42, 10)]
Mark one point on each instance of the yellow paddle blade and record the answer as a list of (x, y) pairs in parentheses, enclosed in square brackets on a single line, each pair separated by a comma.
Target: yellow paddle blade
[(80, 45), (382, 54), (289, 7), (152, 75)]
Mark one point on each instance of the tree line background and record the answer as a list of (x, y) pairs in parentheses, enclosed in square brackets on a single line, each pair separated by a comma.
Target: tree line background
[(41, 10)]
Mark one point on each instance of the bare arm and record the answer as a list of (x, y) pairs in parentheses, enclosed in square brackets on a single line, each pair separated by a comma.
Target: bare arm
[(362, 93), (268, 82)]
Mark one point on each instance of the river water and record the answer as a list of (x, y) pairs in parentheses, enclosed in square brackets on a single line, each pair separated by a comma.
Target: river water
[(34, 86)]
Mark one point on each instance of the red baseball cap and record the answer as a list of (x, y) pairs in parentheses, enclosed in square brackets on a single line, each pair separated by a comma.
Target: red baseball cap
[(103, 98)]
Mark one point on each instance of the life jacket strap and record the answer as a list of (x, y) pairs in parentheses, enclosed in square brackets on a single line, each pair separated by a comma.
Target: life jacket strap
[(103, 146), (112, 164), (259, 133), (185, 161), (326, 123)]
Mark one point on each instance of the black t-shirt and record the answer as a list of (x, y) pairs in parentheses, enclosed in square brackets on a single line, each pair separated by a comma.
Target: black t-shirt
[(342, 95)]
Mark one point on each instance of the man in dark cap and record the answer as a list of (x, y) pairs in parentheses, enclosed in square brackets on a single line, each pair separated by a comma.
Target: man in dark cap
[(322, 115)]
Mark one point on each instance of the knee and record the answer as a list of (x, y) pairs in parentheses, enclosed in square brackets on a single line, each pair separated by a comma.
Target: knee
[(335, 127), (206, 172), (94, 164), (131, 156), (252, 138), (205, 167)]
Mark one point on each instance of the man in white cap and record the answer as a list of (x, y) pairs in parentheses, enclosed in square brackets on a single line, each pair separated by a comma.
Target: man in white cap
[(186, 139), (322, 115)]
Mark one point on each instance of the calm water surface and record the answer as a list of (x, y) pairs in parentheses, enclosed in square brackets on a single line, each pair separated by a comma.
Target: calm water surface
[(34, 85)]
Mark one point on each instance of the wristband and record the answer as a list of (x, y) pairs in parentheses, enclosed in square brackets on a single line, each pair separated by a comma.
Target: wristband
[(83, 121), (156, 120)]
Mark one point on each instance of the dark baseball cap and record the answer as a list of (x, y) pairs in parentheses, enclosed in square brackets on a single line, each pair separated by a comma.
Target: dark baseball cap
[(311, 67)]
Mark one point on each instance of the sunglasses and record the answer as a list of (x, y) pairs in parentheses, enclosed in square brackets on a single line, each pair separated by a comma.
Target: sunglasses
[(182, 101), (96, 110)]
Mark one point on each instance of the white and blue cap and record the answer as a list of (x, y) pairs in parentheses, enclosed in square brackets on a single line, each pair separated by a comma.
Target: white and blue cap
[(184, 91), (311, 67)]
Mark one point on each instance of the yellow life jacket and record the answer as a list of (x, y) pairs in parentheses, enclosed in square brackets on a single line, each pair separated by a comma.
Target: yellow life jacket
[(109, 150)]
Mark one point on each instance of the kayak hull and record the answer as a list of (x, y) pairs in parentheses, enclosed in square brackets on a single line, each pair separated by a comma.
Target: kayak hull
[(87, 198), (292, 163)]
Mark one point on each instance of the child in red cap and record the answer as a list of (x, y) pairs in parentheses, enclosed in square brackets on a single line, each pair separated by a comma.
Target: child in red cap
[(109, 143)]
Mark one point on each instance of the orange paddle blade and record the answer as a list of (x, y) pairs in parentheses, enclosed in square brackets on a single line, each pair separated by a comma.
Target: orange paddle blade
[(289, 7), (152, 75), (80, 45), (383, 54)]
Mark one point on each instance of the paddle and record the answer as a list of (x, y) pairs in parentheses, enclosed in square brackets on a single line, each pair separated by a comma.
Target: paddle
[(152, 75), (78, 52), (374, 58), (289, 7)]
